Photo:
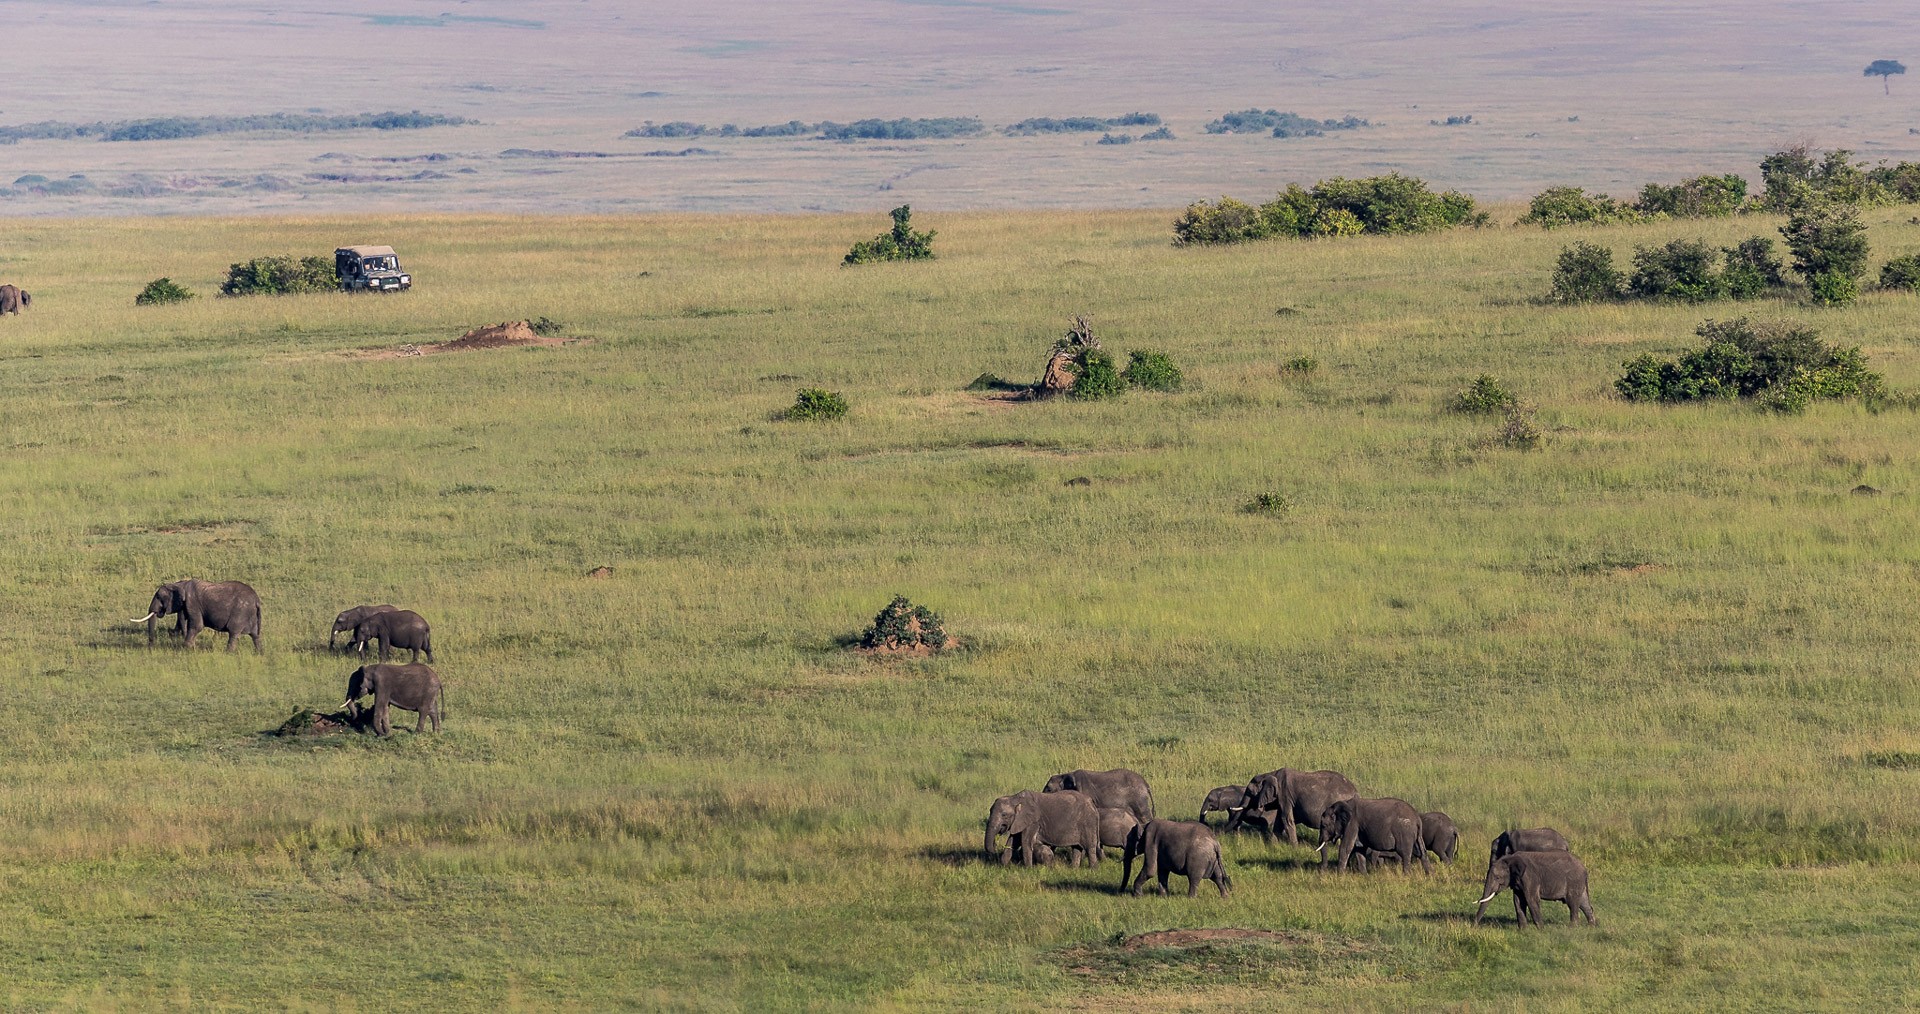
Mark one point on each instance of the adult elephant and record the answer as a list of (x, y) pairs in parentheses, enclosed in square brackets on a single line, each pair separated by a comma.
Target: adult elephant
[(13, 299), (1036, 821), (1115, 826), (229, 607), (1294, 798), (1532, 839), (1120, 788), (1184, 847), (413, 688), (1534, 877), (1389, 826), (1440, 835), (400, 628), (346, 621)]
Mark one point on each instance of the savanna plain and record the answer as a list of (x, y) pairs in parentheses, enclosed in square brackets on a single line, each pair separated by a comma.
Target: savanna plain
[(1671, 632)]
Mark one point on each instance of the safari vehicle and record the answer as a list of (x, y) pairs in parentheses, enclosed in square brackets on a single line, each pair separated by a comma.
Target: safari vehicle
[(373, 268)]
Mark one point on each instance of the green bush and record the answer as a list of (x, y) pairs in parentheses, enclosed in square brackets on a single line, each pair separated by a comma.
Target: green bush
[(1269, 503), (1158, 134), (1094, 376), (1558, 206), (902, 129), (1699, 197), (1585, 274), (1752, 269), (280, 276), (905, 626), (1745, 359), (1300, 366), (1901, 273), (902, 244), (1385, 205), (1278, 124), (162, 290), (1684, 269), (1483, 396), (1833, 288), (1151, 370), (1827, 237), (815, 403)]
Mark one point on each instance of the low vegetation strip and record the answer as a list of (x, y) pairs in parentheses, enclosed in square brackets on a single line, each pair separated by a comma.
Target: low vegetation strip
[(169, 128)]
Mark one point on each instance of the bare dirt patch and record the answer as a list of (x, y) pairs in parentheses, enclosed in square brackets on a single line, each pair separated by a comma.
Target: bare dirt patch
[(504, 335)]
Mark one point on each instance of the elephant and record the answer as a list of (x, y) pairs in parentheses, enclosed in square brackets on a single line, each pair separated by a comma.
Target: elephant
[(1115, 825), (1439, 834), (1038, 821), (1297, 797), (1228, 799), (1119, 788), (401, 628), (345, 622), (13, 299), (1533, 839), (1537, 876), (228, 607), (1388, 826), (1166, 847), (407, 687)]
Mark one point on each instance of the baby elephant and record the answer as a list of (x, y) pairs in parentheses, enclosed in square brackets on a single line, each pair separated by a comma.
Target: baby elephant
[(407, 687), (1228, 799), (401, 628), (1439, 835), (1538, 876), (346, 621), (1185, 847), (1533, 839), (1115, 825)]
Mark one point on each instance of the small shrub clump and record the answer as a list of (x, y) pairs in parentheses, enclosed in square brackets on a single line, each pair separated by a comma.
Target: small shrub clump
[(1901, 273), (1780, 362), (1094, 376), (1585, 274), (280, 276), (162, 290), (816, 403), (1684, 269), (1699, 197), (902, 244), (1383, 205), (903, 626), (1484, 396), (1299, 366), (1558, 206), (1270, 504), (1752, 269), (1152, 371)]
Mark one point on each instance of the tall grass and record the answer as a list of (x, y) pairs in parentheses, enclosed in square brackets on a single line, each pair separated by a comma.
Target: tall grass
[(1671, 633)]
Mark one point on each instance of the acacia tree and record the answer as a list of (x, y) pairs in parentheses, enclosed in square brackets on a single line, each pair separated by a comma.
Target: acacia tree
[(1885, 69)]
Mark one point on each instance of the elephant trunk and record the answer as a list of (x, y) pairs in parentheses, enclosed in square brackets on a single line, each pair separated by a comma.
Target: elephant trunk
[(993, 835), (150, 623)]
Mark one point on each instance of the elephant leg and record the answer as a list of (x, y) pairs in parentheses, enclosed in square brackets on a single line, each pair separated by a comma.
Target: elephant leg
[(256, 643), (1193, 884), (429, 652), (1425, 865), (1519, 910), (1162, 879), (232, 636), (1586, 906), (1287, 825), (420, 725), (386, 649), (1573, 914), (1533, 907), (415, 660), (192, 634)]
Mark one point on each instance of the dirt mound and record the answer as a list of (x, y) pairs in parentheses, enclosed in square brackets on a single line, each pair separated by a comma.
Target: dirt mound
[(504, 335), (600, 572), (308, 722), (1190, 937)]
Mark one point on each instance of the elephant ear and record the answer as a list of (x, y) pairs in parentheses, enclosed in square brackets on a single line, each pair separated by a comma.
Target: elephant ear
[(1021, 820)]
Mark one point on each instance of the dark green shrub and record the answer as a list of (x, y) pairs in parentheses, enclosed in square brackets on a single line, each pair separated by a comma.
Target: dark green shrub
[(1299, 366), (902, 129), (545, 326), (815, 403), (1585, 274), (1752, 269), (1684, 269), (1742, 358), (1279, 124), (162, 290), (1083, 124), (1229, 221), (1901, 273), (1827, 237), (902, 244), (1699, 197), (1151, 370), (1094, 376), (1115, 139), (1394, 203), (1483, 396), (1337, 206), (1269, 503), (280, 276), (1158, 134), (678, 128), (1833, 288), (903, 626), (1558, 206)]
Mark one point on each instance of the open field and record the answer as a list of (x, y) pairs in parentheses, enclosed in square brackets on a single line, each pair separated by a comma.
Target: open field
[(1606, 96), (1671, 632)]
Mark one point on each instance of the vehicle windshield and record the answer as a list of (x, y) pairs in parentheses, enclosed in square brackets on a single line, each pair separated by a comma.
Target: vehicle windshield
[(380, 264)]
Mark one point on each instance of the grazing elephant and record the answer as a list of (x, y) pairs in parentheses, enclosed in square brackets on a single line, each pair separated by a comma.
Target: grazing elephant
[(407, 687), (1228, 799), (13, 299), (1533, 839), (1119, 788), (1185, 847), (1115, 825), (345, 622), (1035, 822), (1388, 826), (228, 607), (401, 628), (1439, 834), (1295, 797), (1537, 876)]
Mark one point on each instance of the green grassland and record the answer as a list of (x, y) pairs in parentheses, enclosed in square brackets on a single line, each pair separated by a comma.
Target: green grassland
[(1671, 632)]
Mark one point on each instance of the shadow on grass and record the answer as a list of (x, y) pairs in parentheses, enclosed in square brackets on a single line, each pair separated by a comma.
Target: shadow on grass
[(1084, 887), (1281, 863), (958, 856)]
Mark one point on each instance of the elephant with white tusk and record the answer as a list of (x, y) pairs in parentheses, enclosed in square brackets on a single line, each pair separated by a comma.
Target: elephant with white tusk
[(1534, 877), (228, 607)]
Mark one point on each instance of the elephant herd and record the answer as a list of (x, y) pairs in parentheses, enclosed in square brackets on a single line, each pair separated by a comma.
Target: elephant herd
[(1089, 811), (233, 608)]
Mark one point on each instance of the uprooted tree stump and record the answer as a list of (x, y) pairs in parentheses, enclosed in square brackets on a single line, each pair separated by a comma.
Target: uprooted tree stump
[(308, 722), (1067, 356), (903, 628)]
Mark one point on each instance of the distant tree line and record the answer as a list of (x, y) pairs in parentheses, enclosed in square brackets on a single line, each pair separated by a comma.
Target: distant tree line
[(172, 127), (1080, 124), (1279, 124), (1386, 205), (825, 130)]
